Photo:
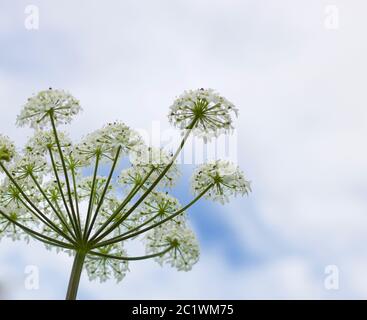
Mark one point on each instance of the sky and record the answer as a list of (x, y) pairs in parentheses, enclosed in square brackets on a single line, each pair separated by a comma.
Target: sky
[(296, 70)]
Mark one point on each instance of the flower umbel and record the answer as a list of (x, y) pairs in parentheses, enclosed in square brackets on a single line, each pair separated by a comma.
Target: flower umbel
[(7, 149), (176, 235), (58, 103), (69, 197), (225, 178), (211, 113)]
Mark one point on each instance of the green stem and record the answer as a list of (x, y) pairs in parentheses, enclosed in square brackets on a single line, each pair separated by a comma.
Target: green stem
[(65, 172), (75, 275), (58, 214), (46, 221), (151, 188), (109, 256), (95, 215), (131, 194), (141, 225), (91, 198), (75, 228), (36, 234), (134, 234), (76, 194), (36, 211)]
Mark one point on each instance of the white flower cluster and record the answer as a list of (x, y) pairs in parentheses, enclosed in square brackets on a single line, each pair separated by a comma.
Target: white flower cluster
[(9, 193), (104, 268), (19, 214), (85, 188), (47, 231), (225, 180), (43, 141), (184, 251), (211, 113), (149, 162), (52, 191), (47, 188), (58, 103), (106, 141), (116, 135), (160, 205), (110, 206), (28, 166), (7, 149)]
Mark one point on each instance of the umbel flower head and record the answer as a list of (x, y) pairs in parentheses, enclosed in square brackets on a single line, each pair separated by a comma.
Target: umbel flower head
[(104, 268), (221, 179), (68, 196), (209, 113), (184, 252), (43, 141), (7, 149), (19, 214), (58, 103), (106, 142)]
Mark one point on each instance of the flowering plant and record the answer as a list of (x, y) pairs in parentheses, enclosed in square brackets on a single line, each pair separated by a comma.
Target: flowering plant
[(45, 195)]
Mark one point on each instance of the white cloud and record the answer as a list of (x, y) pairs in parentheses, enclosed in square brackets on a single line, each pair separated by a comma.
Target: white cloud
[(302, 126)]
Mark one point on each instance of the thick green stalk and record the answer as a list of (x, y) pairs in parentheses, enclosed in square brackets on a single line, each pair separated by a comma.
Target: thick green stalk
[(76, 272)]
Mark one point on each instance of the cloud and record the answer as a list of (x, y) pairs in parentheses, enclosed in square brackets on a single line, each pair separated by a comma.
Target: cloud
[(302, 129)]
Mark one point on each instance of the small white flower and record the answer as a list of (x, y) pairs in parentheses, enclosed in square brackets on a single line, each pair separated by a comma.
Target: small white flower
[(225, 178), (88, 148), (146, 159), (23, 168), (19, 214), (116, 135), (7, 149), (104, 268), (185, 248), (58, 103), (30, 186), (105, 142), (43, 141), (136, 175), (110, 205), (212, 113), (85, 188), (10, 194), (161, 205), (150, 157), (52, 190), (132, 177), (47, 231)]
